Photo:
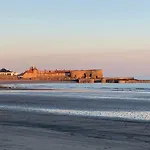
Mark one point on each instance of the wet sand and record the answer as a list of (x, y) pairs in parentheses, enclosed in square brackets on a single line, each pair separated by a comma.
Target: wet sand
[(32, 81), (39, 131)]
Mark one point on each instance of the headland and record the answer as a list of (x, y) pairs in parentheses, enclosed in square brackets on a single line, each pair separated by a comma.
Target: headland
[(78, 76)]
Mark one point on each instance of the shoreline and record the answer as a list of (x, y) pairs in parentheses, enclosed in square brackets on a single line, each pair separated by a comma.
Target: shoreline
[(32, 81), (70, 81), (33, 130)]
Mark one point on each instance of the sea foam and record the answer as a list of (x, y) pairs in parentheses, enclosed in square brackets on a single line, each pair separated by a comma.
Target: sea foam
[(129, 115)]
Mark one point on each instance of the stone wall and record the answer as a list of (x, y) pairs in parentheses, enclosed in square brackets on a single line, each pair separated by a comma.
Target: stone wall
[(34, 73), (82, 80), (93, 74), (77, 74)]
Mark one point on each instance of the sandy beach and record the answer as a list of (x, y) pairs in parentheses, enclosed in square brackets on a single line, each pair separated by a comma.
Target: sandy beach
[(36, 131), (26, 131)]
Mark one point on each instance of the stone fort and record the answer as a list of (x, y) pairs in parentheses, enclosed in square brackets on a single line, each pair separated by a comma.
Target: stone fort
[(33, 73)]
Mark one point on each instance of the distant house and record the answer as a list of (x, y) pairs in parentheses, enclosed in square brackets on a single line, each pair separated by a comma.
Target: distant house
[(4, 71)]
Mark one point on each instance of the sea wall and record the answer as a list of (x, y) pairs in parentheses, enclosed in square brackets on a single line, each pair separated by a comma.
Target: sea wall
[(82, 80)]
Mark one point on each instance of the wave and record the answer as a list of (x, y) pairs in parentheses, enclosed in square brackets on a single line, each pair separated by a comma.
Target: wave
[(125, 115), (97, 86)]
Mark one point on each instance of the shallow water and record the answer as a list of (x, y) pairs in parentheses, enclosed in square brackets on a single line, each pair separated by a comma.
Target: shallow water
[(122, 101)]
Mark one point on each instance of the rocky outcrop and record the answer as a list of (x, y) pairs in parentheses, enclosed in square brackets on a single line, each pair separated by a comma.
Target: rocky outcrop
[(86, 80)]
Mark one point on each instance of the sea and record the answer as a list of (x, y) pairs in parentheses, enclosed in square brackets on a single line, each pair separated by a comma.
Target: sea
[(111, 101)]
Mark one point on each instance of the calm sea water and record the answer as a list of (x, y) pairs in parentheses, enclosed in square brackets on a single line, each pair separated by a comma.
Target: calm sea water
[(122, 101)]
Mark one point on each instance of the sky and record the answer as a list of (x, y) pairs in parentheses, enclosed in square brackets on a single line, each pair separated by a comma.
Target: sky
[(113, 35)]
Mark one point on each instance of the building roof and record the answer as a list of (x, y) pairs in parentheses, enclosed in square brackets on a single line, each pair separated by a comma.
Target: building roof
[(5, 70)]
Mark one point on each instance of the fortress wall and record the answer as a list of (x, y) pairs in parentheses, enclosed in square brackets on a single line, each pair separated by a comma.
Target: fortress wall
[(77, 74), (29, 75), (34, 73), (42, 75), (51, 75), (97, 74)]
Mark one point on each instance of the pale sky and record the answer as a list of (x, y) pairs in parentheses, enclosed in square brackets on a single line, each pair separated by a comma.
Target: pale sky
[(113, 35)]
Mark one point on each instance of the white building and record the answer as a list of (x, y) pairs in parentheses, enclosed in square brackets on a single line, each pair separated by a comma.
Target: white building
[(8, 72)]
